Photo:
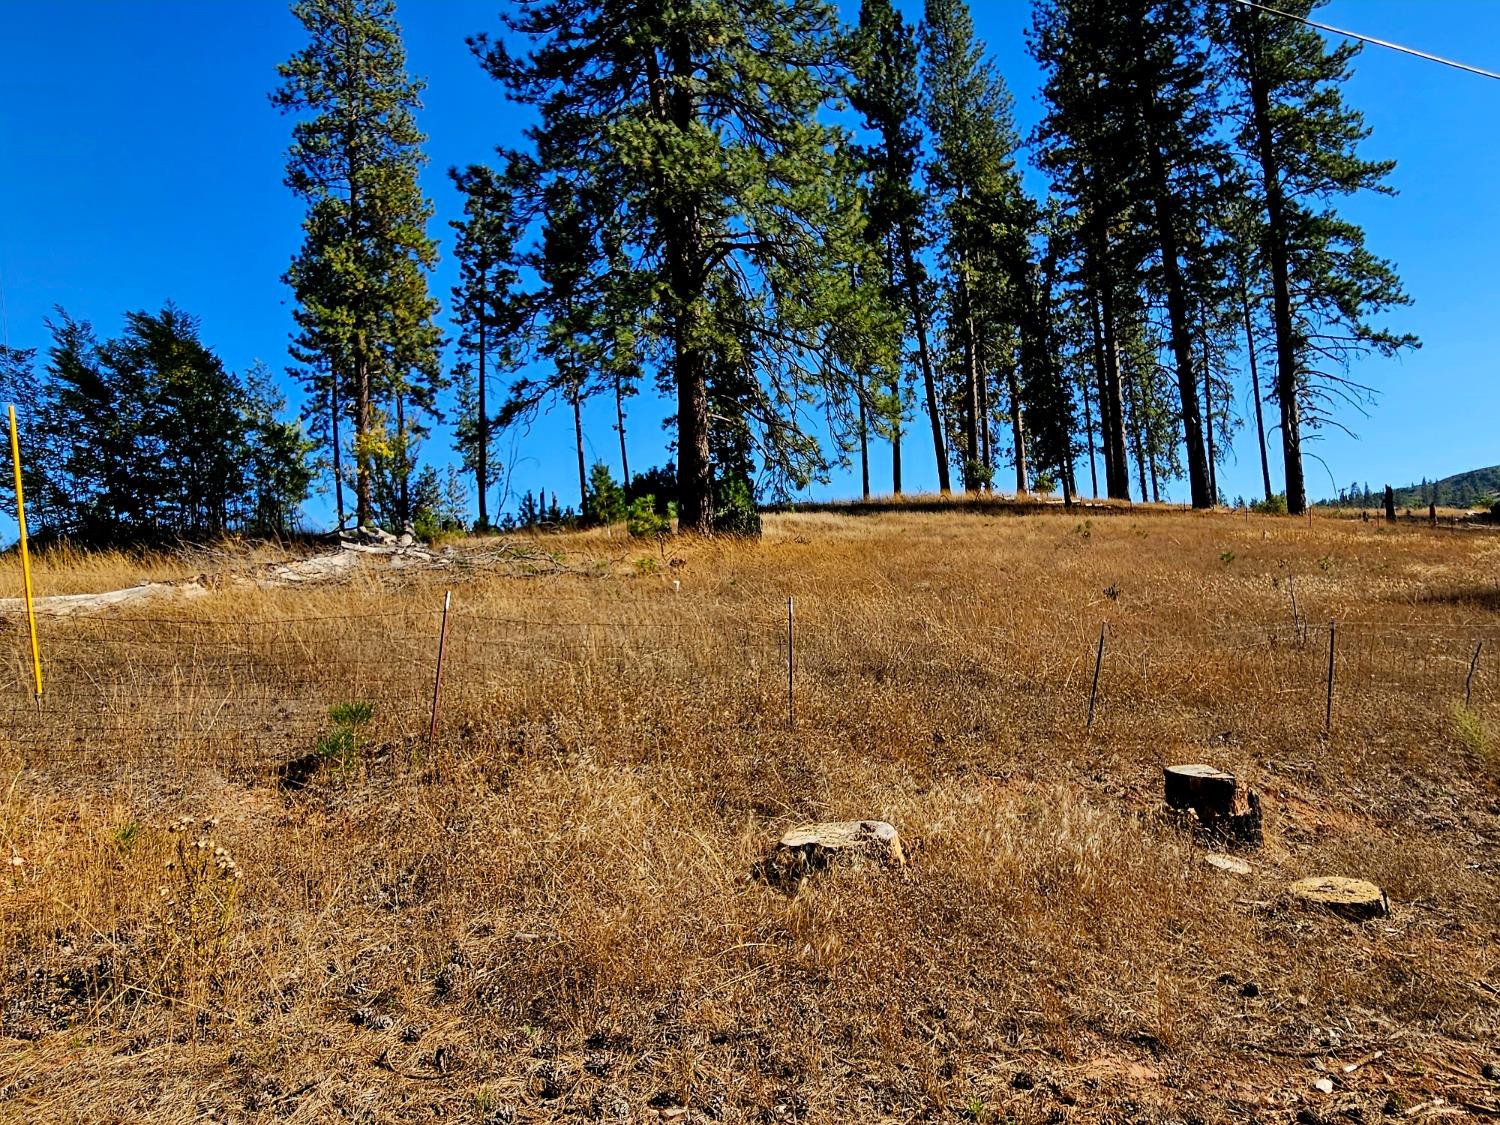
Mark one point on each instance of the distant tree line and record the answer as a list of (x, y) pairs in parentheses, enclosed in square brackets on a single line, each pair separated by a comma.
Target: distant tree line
[(1478, 488), (148, 437)]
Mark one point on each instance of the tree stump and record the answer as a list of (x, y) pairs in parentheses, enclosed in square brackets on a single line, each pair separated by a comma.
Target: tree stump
[(1349, 898), (809, 848), (1222, 810), (1200, 788)]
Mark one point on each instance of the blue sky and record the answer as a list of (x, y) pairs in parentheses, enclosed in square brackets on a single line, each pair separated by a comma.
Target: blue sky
[(141, 162)]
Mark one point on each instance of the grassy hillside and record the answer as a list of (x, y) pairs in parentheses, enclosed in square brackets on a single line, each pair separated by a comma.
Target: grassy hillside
[(546, 913)]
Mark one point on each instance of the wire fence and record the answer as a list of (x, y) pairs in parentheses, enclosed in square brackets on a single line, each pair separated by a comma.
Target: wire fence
[(251, 693)]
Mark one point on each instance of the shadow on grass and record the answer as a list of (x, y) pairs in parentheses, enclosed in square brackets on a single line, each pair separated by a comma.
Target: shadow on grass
[(1470, 596)]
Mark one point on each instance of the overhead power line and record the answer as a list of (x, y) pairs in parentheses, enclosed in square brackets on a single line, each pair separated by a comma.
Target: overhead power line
[(1371, 39)]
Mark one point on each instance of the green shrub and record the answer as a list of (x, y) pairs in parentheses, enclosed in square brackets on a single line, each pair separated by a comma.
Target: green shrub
[(605, 501), (658, 483), (643, 522), (1473, 736), (433, 529), (340, 746), (1275, 506), (735, 512)]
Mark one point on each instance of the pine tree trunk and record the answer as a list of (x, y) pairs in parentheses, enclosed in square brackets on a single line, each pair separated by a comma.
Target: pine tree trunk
[(864, 449), (1088, 428), (1182, 346), (680, 227), (924, 357), (1018, 432), (970, 408), (1208, 419), (620, 425), (1114, 387), (583, 476), (896, 457), (1101, 380), (1164, 213), (1137, 431), (361, 437), (403, 466), (986, 439), (1281, 301), (482, 429), (338, 465), (1260, 421)]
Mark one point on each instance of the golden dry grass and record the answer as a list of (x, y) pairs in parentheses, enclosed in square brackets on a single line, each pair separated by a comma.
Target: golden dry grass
[(546, 915)]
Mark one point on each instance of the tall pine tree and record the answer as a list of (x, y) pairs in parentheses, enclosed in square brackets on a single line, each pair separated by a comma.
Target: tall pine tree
[(361, 276), (1325, 284), (884, 89), (487, 308), (698, 122)]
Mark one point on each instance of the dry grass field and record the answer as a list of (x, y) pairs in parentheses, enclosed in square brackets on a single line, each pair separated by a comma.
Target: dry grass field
[(546, 914)]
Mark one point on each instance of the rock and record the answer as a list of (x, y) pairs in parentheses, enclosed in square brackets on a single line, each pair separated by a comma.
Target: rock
[(1198, 787), (1349, 898), (1227, 863), (809, 848), (376, 536), (1323, 1085)]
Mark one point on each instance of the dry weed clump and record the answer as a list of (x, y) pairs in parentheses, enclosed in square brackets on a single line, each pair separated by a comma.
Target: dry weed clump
[(547, 912)]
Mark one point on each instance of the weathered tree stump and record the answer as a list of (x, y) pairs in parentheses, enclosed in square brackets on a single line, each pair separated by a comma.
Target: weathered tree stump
[(809, 848), (1223, 811), (1349, 898), (1200, 788)]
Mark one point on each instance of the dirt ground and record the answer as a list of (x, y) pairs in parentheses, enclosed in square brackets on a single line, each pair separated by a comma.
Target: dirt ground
[(239, 882)]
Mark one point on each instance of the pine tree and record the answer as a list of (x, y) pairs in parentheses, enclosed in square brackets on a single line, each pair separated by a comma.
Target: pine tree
[(487, 308), (989, 223), (278, 469), (697, 122), (361, 276), (193, 419), (148, 436), (21, 387), (1131, 133), (883, 89), (566, 264), (94, 420), (1303, 139)]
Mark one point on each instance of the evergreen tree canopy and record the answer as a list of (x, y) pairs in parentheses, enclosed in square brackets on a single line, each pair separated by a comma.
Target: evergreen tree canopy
[(361, 276), (698, 122), (148, 437)]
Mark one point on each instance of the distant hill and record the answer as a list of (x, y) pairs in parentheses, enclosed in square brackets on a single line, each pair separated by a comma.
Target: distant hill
[(1476, 488)]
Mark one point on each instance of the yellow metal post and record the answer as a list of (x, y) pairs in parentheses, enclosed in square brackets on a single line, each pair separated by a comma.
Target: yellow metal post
[(36, 652)]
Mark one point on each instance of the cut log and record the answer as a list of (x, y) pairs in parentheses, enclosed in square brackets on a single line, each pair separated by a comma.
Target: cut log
[(1205, 789), (1349, 898), (809, 848)]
